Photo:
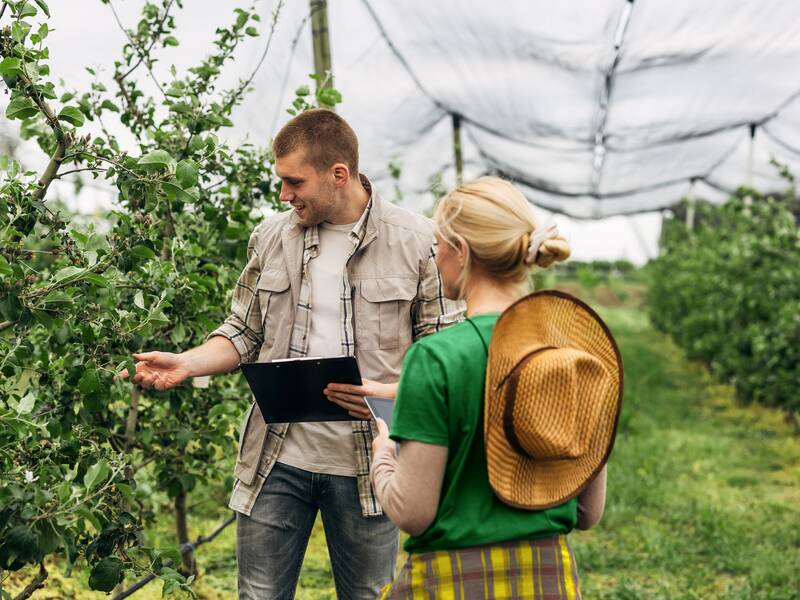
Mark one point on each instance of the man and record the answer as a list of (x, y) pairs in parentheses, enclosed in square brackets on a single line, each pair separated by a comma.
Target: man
[(342, 273)]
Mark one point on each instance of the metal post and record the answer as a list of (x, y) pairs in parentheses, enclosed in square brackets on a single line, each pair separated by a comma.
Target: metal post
[(322, 49), (690, 207), (459, 160), (748, 199)]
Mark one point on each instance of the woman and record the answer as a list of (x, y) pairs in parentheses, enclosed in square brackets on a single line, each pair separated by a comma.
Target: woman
[(464, 541)]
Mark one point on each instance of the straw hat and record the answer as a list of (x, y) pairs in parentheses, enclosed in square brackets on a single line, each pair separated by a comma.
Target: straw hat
[(553, 397)]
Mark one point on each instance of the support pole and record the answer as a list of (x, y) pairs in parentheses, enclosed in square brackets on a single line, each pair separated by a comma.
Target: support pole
[(458, 158), (322, 48), (690, 207), (751, 148)]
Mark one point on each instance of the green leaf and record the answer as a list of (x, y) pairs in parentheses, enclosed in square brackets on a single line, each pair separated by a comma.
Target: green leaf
[(21, 542), (5, 268), (19, 31), (58, 297), (43, 5), (186, 173), (109, 105), (21, 108), (106, 574), (252, 31), (89, 381), (170, 41), (141, 251), (96, 279), (25, 405), (157, 159), (10, 66), (68, 273), (329, 97), (175, 192), (303, 90), (96, 474), (138, 299), (27, 10), (71, 115)]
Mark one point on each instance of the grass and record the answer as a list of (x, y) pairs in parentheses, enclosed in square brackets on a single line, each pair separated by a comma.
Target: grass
[(703, 496)]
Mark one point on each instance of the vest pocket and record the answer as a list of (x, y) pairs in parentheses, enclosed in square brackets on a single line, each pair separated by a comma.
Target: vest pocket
[(383, 312)]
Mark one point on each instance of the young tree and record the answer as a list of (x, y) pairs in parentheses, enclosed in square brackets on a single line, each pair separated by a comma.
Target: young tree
[(84, 458)]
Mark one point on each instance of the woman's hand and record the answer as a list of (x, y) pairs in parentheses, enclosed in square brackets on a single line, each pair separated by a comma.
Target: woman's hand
[(380, 440), (351, 397)]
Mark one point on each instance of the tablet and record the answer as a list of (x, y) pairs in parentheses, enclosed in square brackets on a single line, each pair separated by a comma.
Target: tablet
[(380, 408), (290, 390)]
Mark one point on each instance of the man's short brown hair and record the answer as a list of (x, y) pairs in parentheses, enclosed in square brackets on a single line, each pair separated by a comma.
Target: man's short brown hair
[(325, 137)]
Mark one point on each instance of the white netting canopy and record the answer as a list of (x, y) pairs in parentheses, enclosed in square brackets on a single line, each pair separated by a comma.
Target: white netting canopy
[(596, 107)]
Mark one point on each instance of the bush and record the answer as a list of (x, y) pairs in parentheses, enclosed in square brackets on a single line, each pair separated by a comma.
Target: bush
[(728, 292)]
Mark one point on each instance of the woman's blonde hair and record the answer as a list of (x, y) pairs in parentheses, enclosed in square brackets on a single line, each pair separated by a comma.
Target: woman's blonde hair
[(495, 222)]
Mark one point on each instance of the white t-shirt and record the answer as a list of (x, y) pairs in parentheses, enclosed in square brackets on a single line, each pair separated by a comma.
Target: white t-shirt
[(325, 447)]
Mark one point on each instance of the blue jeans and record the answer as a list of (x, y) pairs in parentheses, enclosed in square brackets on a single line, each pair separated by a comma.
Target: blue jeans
[(271, 542)]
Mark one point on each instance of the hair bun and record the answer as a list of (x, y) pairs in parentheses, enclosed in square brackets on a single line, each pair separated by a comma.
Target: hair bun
[(539, 236), (553, 250)]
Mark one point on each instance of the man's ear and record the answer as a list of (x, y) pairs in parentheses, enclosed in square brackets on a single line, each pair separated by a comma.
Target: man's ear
[(341, 175)]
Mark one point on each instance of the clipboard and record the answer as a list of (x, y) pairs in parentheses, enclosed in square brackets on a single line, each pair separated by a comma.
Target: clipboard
[(290, 390)]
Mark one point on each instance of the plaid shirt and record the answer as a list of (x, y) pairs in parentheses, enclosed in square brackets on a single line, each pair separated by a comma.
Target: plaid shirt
[(430, 310)]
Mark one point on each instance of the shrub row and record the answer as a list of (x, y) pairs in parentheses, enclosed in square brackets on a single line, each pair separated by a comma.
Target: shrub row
[(728, 291)]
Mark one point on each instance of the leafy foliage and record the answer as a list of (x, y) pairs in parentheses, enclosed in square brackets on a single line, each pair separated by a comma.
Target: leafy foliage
[(85, 460), (728, 291)]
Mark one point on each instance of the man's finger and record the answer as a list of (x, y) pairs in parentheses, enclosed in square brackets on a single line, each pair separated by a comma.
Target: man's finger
[(145, 355), (351, 407), (346, 388), (355, 398)]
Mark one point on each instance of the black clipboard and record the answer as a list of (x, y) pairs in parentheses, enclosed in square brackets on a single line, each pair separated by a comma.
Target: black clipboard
[(290, 390)]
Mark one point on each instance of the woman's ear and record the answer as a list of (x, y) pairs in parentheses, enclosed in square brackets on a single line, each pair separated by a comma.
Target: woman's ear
[(461, 251)]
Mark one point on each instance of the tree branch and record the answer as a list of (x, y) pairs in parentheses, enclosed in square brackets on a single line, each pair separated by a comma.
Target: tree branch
[(152, 43), (142, 54), (7, 324), (62, 140), (245, 84), (185, 548), (34, 585), (93, 169)]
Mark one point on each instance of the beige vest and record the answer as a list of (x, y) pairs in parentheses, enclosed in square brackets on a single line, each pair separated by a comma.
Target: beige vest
[(384, 274)]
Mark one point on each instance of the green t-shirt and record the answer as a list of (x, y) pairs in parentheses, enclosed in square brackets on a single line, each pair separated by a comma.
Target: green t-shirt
[(440, 401)]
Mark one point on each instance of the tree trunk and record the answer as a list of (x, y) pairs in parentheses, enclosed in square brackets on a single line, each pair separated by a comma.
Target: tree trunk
[(182, 526), (34, 585)]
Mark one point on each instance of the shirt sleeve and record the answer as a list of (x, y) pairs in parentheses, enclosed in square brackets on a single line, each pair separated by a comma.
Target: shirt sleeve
[(420, 410), (408, 487), (243, 325), (431, 311)]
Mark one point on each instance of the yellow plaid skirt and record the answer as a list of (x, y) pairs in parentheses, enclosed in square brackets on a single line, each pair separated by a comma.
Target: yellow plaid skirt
[(541, 569)]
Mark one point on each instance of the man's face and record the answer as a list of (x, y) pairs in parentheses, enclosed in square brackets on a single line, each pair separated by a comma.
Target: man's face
[(310, 193)]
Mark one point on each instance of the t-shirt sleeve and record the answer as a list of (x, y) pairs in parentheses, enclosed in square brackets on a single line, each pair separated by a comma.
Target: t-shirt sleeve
[(420, 410)]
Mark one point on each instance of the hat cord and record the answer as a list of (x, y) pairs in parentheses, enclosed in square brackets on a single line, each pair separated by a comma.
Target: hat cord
[(475, 327)]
